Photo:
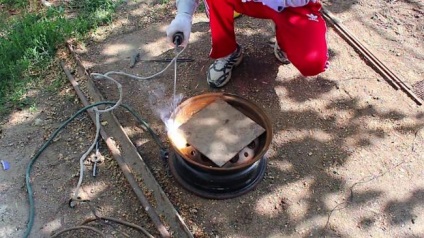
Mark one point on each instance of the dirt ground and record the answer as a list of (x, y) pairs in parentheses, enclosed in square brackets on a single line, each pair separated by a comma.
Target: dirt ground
[(346, 159)]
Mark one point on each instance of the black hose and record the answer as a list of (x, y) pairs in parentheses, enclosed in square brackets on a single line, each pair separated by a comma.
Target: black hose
[(55, 133)]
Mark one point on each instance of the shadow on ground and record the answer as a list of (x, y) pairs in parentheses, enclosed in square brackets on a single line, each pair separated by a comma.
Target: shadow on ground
[(323, 148)]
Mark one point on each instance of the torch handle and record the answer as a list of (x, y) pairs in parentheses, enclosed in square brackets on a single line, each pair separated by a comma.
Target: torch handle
[(178, 38)]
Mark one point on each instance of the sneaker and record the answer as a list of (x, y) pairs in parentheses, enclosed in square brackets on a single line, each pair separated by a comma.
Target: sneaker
[(280, 55), (220, 71)]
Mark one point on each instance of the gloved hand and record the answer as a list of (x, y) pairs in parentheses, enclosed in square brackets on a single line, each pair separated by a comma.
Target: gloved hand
[(181, 23)]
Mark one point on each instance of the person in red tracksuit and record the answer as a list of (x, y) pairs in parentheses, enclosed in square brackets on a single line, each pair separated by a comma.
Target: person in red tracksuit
[(299, 27)]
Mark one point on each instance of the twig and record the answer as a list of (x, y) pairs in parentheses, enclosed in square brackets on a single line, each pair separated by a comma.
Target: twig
[(97, 217), (350, 200), (415, 137), (78, 228)]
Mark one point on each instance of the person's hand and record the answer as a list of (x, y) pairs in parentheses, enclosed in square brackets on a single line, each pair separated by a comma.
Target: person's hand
[(181, 23)]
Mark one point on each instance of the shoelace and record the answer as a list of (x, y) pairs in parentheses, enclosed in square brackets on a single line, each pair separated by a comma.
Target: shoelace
[(221, 62)]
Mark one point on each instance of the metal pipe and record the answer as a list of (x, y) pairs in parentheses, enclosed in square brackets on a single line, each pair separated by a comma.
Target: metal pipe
[(376, 64), (179, 60)]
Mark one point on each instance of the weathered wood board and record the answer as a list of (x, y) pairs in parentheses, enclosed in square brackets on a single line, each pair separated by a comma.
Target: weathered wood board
[(219, 131)]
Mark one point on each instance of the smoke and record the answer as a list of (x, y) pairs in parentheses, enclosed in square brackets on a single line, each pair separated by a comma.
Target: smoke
[(163, 105)]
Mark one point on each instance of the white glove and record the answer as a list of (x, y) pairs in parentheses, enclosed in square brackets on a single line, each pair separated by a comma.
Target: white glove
[(181, 23)]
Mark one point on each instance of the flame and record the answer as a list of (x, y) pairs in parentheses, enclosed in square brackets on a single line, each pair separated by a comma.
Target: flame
[(164, 107), (174, 134)]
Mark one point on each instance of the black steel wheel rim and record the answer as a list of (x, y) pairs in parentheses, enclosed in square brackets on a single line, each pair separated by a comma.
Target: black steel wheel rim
[(213, 184)]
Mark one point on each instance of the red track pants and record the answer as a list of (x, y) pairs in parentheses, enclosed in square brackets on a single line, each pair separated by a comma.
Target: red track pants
[(300, 31)]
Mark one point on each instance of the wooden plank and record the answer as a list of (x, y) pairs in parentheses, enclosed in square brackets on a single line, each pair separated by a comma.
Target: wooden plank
[(219, 131), (136, 165), (121, 162), (139, 168)]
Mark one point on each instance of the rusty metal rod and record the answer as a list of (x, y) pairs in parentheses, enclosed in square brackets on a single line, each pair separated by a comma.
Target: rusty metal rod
[(122, 164), (366, 50), (376, 64), (348, 37)]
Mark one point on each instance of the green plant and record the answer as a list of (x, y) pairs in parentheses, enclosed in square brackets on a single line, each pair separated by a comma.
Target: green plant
[(15, 3), (33, 107), (28, 43), (56, 84)]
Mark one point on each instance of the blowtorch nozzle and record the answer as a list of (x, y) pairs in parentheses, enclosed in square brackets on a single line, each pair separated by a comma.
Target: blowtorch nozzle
[(178, 38)]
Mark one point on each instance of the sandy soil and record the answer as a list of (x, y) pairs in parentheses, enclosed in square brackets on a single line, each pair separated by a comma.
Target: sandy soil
[(346, 158)]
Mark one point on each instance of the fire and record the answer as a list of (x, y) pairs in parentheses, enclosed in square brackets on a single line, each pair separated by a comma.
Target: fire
[(174, 134)]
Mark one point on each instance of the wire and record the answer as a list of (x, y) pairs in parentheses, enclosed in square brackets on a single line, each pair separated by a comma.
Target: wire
[(78, 228), (174, 60), (53, 136), (125, 223), (98, 112), (106, 219), (97, 123), (36, 156)]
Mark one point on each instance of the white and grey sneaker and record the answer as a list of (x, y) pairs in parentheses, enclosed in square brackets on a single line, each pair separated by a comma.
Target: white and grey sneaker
[(220, 71), (280, 55)]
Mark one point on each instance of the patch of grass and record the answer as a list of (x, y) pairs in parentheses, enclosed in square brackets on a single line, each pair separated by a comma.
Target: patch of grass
[(201, 7), (33, 107), (56, 84), (28, 43), (15, 3)]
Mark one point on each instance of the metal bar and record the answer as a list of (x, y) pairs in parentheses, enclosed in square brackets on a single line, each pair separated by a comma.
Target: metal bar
[(376, 64), (179, 60), (357, 47), (365, 49), (135, 57)]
